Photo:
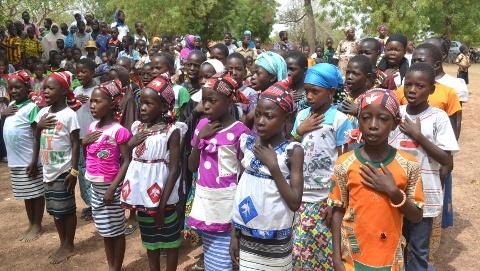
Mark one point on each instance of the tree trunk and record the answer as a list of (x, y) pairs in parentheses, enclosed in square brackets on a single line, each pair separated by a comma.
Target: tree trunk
[(310, 25)]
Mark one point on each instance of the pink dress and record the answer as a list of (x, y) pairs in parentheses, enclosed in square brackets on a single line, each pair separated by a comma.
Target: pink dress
[(217, 178)]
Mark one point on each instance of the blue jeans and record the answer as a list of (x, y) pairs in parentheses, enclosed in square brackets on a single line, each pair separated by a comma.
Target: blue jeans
[(85, 185), (418, 240)]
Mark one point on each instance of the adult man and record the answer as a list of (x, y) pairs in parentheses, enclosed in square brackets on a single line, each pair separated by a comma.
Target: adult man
[(245, 49), (27, 24), (284, 44)]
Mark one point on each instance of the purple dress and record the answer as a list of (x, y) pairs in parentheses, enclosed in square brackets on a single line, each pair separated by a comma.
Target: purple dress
[(217, 178)]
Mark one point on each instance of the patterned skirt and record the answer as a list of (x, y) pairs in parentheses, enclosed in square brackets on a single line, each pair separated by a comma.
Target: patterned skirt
[(312, 239), (168, 236), (258, 254), (24, 186), (109, 219), (58, 201), (216, 248)]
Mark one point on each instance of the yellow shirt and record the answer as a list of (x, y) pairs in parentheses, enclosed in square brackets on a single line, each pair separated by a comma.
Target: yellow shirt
[(444, 98), (248, 52)]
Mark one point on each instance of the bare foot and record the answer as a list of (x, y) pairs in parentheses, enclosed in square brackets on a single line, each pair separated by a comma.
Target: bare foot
[(34, 233), (54, 253), (21, 237), (62, 254)]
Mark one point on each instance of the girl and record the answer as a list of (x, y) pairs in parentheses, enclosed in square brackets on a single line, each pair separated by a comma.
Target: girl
[(27, 182), (237, 68), (215, 155), (321, 129), (297, 67), (370, 184), (105, 142), (270, 189), (151, 182), (393, 65)]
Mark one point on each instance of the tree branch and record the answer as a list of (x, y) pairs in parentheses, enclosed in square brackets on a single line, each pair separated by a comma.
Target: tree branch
[(285, 21)]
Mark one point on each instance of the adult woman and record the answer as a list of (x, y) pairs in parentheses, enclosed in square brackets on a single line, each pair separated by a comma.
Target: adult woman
[(49, 42), (346, 49)]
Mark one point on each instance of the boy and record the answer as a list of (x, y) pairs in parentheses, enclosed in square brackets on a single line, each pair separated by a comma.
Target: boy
[(140, 35), (81, 38), (114, 41), (463, 62), (30, 46), (102, 38), (427, 134), (57, 142), (85, 71)]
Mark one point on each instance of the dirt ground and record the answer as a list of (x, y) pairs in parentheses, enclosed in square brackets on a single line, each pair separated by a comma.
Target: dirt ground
[(459, 248)]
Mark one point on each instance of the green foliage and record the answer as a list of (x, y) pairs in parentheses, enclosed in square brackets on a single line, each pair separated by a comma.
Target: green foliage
[(208, 18), (415, 18), (38, 9)]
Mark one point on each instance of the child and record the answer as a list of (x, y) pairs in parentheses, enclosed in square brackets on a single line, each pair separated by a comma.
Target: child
[(55, 61), (39, 76), (394, 65), (270, 188), (215, 156), (220, 52), (85, 72), (30, 46), (91, 49), (463, 63), (358, 79), (329, 52), (371, 48), (27, 181), (427, 134), (113, 41), (371, 184), (128, 46), (151, 183), (270, 68), (68, 63), (297, 66), (57, 140), (237, 68), (318, 55), (105, 143), (321, 129), (81, 38), (102, 39), (147, 74)]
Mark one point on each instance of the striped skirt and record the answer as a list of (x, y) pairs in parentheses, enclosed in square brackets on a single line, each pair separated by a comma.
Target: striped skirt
[(58, 201), (272, 255), (216, 248), (168, 236), (109, 219), (24, 186)]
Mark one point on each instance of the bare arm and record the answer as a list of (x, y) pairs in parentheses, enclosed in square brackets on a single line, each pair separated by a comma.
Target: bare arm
[(126, 158), (173, 167)]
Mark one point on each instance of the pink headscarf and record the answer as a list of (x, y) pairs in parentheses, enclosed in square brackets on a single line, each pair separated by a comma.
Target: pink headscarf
[(189, 46)]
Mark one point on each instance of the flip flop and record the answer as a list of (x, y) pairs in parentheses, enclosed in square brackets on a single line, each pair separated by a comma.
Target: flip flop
[(130, 229)]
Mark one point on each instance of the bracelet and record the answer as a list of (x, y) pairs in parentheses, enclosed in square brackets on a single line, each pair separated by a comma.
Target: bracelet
[(401, 203), (74, 172)]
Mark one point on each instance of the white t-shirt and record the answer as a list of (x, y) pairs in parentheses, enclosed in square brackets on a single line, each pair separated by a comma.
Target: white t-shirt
[(458, 84), (97, 60), (122, 30), (231, 48), (84, 115), (320, 147), (436, 128), (18, 135), (55, 144)]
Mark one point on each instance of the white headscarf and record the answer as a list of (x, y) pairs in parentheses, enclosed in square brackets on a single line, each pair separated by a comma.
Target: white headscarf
[(217, 65), (49, 42)]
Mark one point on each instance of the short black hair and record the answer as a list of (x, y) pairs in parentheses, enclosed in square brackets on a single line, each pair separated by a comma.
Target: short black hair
[(399, 38), (378, 46), (364, 62), (168, 57), (88, 63), (425, 68), (80, 23), (442, 43), (433, 50), (299, 57), (238, 56), (75, 48), (199, 54), (49, 20), (227, 33), (282, 33), (222, 47)]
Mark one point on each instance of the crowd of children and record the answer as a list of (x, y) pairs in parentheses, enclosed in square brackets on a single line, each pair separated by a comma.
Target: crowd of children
[(289, 163)]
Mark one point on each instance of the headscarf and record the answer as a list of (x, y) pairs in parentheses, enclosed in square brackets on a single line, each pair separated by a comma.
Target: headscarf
[(21, 75), (163, 86), (114, 90), (324, 75), (383, 97), (273, 63), (247, 33), (49, 42), (156, 40), (189, 46), (217, 65), (65, 79), (279, 93), (383, 64), (225, 84)]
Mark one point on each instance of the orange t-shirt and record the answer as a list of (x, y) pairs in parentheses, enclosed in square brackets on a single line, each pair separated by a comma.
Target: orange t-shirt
[(372, 228), (443, 97)]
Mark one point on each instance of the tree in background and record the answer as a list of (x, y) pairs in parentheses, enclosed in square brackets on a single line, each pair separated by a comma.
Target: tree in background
[(415, 18), (58, 10)]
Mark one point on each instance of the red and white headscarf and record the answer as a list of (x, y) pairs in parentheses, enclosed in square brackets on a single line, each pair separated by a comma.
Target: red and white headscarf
[(21, 75), (383, 97), (65, 79), (225, 84), (163, 86), (280, 94)]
